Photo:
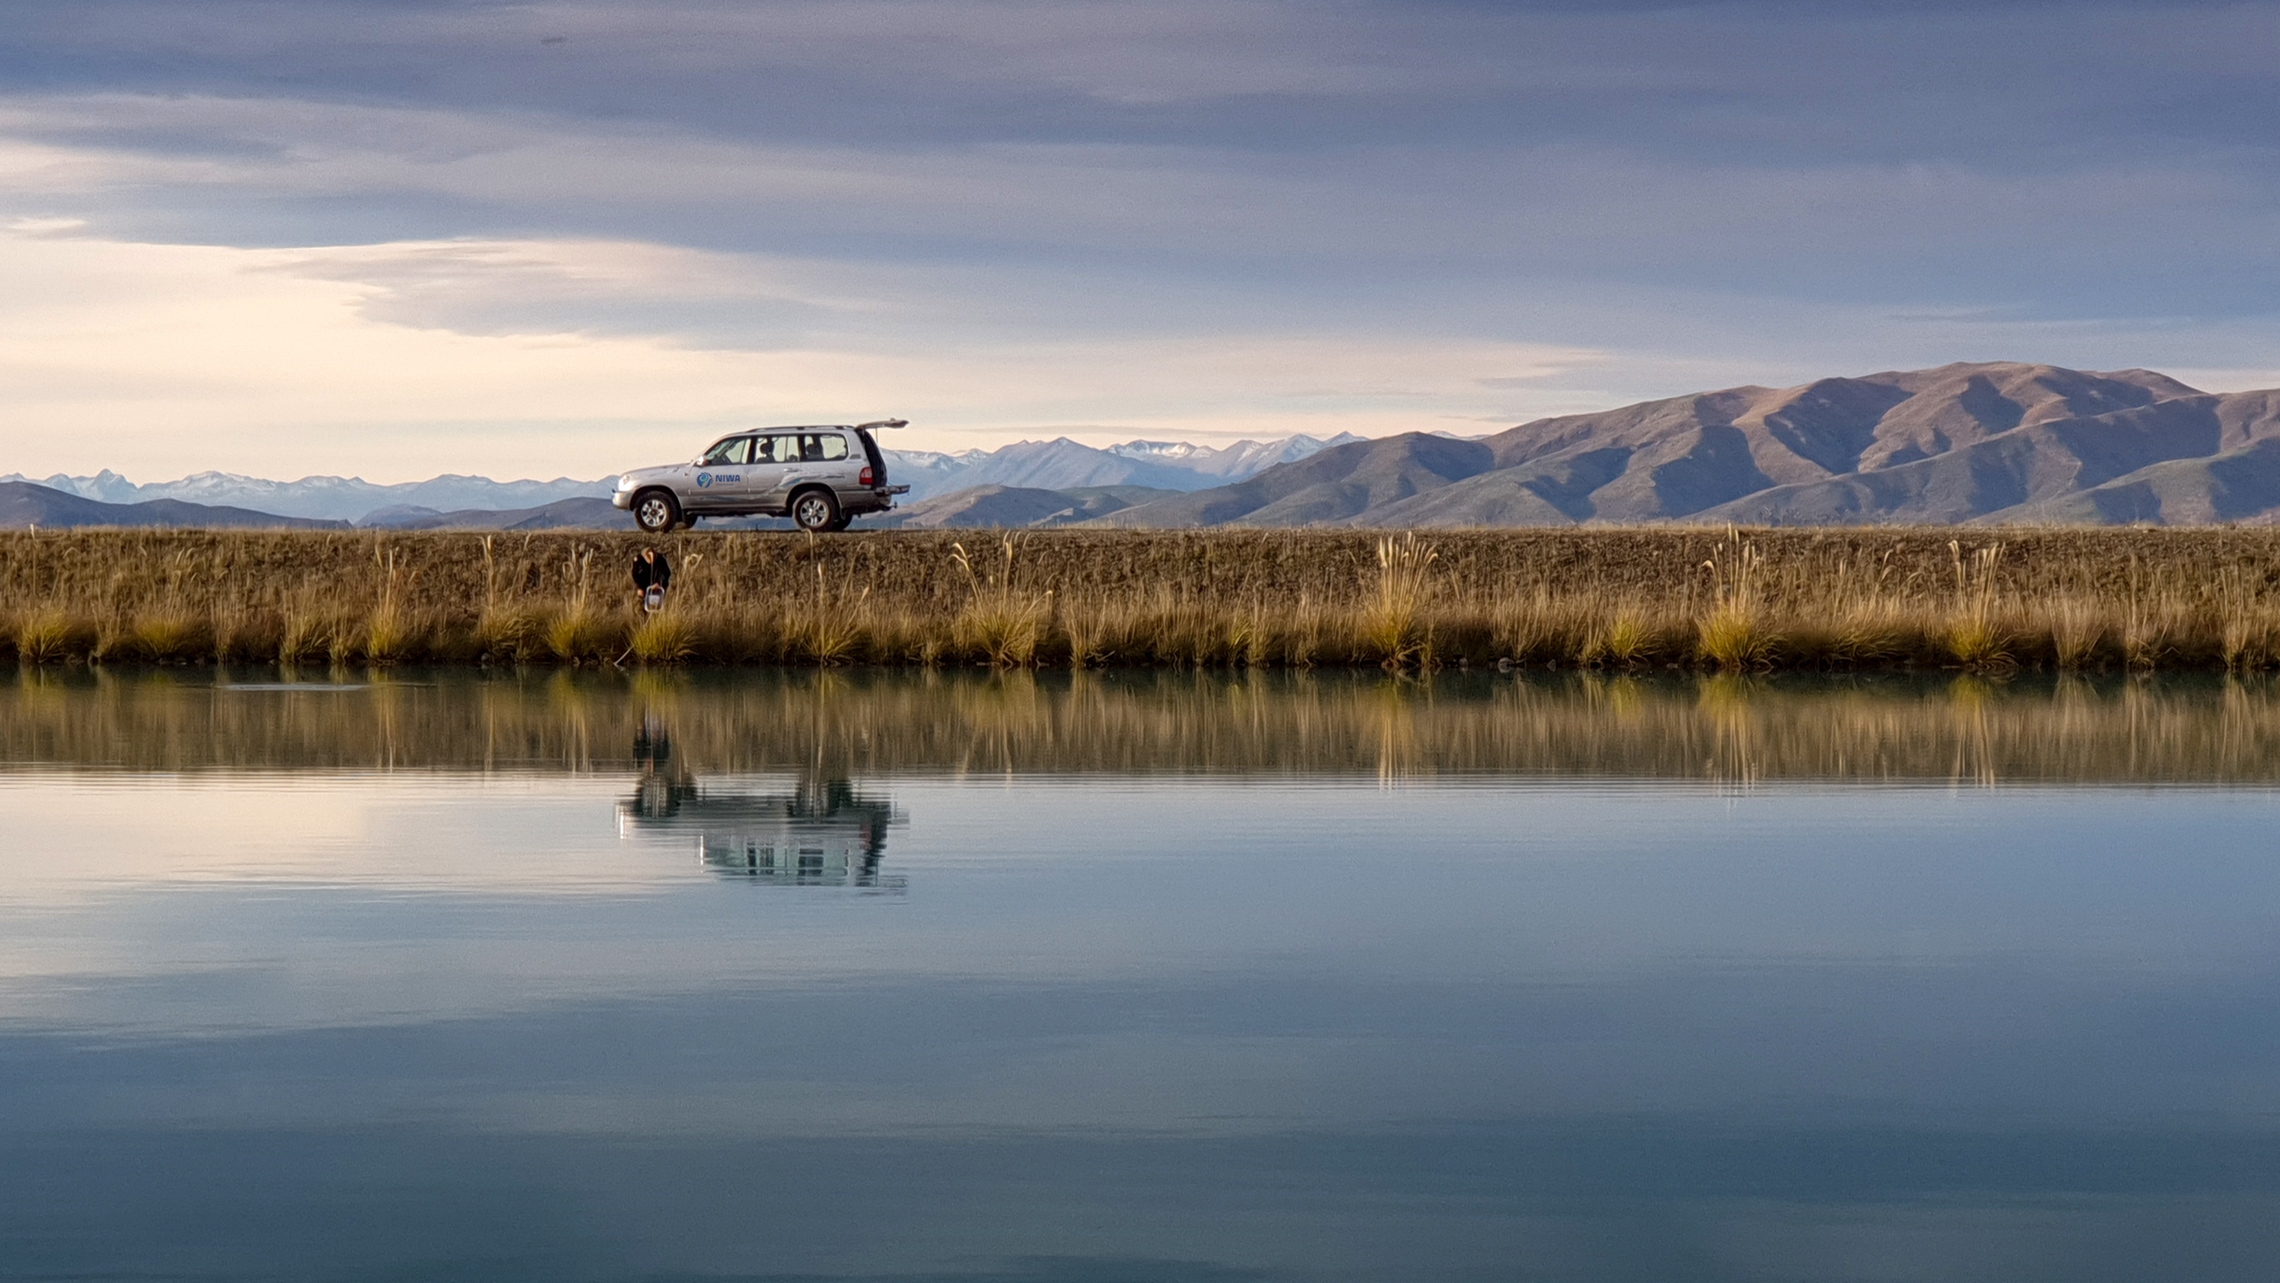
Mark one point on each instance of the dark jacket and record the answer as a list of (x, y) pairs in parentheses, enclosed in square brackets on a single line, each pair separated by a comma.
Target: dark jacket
[(647, 572)]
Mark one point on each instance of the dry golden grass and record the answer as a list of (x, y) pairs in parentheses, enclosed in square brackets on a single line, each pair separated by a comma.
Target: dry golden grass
[(1616, 600)]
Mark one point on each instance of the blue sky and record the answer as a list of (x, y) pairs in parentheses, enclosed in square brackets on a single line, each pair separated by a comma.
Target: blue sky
[(404, 237)]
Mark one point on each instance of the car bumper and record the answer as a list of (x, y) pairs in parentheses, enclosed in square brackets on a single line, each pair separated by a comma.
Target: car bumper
[(622, 499)]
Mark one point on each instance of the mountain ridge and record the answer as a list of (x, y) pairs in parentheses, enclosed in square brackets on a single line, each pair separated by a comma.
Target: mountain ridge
[(29, 504), (1966, 443), (1963, 443)]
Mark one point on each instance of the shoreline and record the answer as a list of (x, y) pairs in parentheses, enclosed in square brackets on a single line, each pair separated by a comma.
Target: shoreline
[(1635, 599)]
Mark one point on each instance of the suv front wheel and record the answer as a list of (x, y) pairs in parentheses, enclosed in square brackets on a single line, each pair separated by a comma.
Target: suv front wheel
[(656, 511), (815, 511)]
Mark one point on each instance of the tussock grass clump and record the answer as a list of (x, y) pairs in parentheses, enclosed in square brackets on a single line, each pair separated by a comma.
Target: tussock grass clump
[(1000, 624), (1618, 601), (1735, 634), (663, 638), (387, 635), (1396, 629), (576, 633), (51, 636), (503, 634), (1975, 634), (1627, 640), (2076, 627), (166, 637)]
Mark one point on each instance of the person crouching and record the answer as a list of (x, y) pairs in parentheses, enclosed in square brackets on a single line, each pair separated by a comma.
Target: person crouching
[(652, 575)]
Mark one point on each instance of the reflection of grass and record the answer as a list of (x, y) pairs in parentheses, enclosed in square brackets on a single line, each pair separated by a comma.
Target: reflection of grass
[(1733, 729), (1629, 600)]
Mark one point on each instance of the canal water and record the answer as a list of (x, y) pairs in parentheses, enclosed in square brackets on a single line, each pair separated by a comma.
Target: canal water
[(340, 976)]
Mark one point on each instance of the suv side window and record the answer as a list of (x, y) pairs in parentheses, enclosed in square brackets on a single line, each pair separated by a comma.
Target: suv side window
[(779, 449), (731, 451), (819, 446)]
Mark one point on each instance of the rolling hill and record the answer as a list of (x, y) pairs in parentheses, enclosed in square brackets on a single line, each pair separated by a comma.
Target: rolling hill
[(1988, 443)]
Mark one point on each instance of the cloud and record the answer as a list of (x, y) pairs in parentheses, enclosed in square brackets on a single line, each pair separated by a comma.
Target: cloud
[(1003, 216), (502, 288), (1913, 235), (407, 360)]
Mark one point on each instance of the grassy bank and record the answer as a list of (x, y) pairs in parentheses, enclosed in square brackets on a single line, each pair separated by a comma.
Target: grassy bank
[(2099, 599)]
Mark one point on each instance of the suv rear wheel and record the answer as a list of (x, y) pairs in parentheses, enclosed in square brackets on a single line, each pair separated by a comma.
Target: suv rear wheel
[(656, 511), (815, 510)]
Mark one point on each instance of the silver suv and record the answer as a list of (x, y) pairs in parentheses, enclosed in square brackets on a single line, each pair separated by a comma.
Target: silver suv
[(821, 476)]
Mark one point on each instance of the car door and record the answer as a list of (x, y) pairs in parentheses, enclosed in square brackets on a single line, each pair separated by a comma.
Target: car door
[(722, 477), (815, 455), (828, 456), (775, 459)]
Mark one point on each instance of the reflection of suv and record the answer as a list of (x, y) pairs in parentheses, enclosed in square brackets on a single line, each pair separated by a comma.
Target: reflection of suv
[(824, 834), (821, 477)]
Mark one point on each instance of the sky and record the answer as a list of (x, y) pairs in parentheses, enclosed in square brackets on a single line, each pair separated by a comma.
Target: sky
[(397, 238)]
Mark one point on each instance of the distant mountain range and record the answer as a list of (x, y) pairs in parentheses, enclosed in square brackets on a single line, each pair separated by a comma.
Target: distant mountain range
[(481, 503), (325, 498), (24, 503), (1063, 464), (1986, 443)]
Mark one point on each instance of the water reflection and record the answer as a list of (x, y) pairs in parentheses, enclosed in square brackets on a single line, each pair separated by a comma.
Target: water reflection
[(1729, 731), (456, 976), (819, 833)]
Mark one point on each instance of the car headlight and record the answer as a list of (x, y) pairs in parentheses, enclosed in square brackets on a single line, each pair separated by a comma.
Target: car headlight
[(625, 482)]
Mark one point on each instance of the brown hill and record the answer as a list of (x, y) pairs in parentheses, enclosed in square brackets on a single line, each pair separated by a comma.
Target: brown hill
[(1986, 443)]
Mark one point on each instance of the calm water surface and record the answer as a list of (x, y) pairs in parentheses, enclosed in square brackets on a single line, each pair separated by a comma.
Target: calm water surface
[(437, 976)]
